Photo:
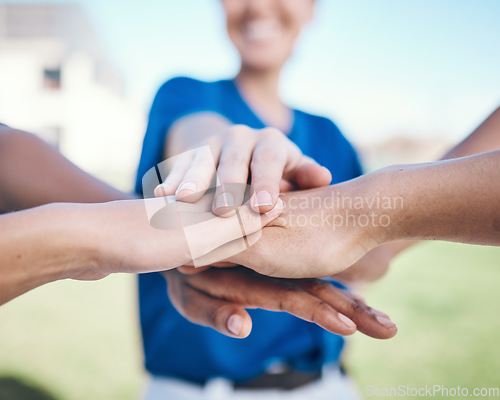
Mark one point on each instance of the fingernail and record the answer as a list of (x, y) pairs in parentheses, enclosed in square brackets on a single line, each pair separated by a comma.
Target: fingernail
[(263, 198), (159, 191), (224, 200), (278, 208), (234, 324), (385, 322), (186, 186), (348, 322)]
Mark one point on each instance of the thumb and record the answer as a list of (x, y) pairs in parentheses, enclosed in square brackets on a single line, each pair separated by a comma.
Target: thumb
[(206, 236), (310, 175), (228, 318)]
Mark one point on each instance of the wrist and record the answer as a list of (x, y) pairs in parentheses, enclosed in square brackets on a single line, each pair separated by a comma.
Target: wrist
[(39, 246), (74, 249), (391, 189), (390, 197), (368, 207)]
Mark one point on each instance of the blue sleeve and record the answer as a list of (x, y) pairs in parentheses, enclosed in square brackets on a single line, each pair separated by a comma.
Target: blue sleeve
[(352, 162), (337, 153), (176, 98)]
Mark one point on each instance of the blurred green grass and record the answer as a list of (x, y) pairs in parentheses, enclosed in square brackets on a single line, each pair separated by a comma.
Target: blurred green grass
[(80, 340), (77, 340), (445, 299)]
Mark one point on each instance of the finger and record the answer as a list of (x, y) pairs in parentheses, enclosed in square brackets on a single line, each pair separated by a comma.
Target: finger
[(312, 309), (370, 322), (224, 264), (233, 169), (362, 300), (178, 166), (200, 174), (273, 153), (211, 234), (191, 270), (310, 174), (293, 300), (225, 317), (256, 291), (286, 186)]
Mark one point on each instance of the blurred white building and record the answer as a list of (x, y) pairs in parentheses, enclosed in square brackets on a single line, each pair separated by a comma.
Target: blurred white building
[(56, 81)]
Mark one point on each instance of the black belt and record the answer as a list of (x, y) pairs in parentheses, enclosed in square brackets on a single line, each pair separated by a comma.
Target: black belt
[(287, 380)]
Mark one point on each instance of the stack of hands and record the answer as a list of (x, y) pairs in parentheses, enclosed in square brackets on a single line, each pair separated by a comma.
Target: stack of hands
[(232, 263), (275, 239)]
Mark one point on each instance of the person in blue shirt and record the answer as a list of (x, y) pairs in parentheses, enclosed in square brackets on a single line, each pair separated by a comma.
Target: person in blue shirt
[(233, 118)]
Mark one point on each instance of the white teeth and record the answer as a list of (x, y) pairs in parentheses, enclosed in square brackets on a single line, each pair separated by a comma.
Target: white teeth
[(262, 29)]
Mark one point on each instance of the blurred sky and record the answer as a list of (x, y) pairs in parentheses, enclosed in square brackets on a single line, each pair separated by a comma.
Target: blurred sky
[(377, 67)]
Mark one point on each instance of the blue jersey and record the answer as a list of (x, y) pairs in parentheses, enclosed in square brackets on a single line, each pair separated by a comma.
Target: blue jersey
[(173, 346)]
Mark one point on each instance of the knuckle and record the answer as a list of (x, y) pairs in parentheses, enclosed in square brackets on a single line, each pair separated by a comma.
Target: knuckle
[(287, 288), (212, 316), (172, 179), (238, 131), (265, 158), (203, 162), (213, 141), (272, 133), (185, 298), (317, 286), (319, 308), (234, 160), (357, 306), (206, 167)]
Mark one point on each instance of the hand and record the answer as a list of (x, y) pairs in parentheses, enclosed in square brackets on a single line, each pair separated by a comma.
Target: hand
[(324, 231), (272, 159), (125, 240), (314, 236), (217, 298)]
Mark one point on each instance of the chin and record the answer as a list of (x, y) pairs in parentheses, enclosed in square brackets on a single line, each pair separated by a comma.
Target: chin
[(263, 61)]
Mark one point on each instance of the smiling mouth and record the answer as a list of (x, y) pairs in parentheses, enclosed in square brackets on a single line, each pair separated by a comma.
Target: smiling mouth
[(262, 30)]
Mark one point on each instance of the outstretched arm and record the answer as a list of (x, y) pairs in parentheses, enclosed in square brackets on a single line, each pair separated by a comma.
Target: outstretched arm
[(89, 241), (324, 231), (33, 173), (486, 137)]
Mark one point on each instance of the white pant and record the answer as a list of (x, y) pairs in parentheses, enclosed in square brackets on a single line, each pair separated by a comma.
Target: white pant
[(332, 386)]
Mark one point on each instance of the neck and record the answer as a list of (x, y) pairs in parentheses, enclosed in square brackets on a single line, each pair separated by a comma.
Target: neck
[(260, 90), (259, 83)]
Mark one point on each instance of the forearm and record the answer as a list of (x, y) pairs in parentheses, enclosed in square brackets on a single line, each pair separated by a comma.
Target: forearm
[(42, 245), (325, 231), (33, 173), (90, 241), (455, 200), (485, 138)]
